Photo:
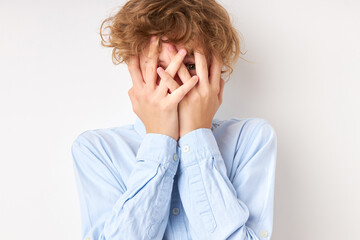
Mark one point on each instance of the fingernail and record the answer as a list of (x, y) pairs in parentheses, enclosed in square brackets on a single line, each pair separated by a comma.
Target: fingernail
[(153, 38), (182, 52), (160, 70)]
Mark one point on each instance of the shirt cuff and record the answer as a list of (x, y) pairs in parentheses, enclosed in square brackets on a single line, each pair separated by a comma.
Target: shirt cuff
[(197, 145), (159, 148)]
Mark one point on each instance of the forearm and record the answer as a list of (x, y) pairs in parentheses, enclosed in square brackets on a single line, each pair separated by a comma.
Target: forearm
[(140, 212)]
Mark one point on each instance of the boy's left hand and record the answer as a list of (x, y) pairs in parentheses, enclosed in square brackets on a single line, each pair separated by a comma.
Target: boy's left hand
[(197, 109)]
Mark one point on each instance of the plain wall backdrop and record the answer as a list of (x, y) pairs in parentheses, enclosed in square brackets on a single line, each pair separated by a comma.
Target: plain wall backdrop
[(57, 81)]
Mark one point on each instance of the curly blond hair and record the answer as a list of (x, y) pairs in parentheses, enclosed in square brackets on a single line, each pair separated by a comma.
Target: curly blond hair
[(197, 24)]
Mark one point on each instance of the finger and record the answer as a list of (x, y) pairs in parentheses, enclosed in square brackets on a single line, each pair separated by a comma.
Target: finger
[(151, 63), (176, 62), (135, 73), (215, 72), (162, 88), (167, 79), (180, 93), (220, 95), (201, 69), (183, 72)]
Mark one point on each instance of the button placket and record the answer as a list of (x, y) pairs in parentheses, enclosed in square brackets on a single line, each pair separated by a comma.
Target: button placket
[(186, 148), (175, 211), (175, 157)]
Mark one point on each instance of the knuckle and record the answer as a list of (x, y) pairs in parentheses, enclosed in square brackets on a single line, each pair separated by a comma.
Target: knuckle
[(131, 91), (206, 92), (182, 92), (216, 89), (150, 60), (166, 76), (134, 97), (196, 96), (149, 99), (165, 107)]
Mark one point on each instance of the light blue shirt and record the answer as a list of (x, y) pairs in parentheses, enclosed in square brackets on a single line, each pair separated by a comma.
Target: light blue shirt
[(211, 184)]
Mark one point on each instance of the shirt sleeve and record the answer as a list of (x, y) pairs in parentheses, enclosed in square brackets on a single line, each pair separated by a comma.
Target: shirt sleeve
[(214, 204), (139, 210)]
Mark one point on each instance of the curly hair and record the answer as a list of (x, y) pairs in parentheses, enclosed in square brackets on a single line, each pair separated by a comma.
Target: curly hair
[(197, 24)]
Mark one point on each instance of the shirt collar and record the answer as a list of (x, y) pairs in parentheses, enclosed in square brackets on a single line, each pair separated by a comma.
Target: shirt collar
[(140, 127)]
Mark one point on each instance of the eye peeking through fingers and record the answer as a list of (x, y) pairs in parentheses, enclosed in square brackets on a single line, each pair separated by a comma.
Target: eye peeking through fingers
[(190, 66)]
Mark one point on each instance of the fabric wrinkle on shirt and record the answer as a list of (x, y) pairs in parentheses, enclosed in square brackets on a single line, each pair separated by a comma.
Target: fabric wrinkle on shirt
[(215, 183)]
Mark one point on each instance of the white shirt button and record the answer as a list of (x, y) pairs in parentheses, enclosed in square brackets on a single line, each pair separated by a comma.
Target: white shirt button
[(87, 238), (186, 148), (175, 211), (263, 233), (175, 157)]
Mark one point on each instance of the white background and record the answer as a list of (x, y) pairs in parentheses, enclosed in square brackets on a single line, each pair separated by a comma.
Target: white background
[(57, 81)]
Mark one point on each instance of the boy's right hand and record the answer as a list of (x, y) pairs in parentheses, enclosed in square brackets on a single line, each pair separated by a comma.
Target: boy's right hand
[(152, 103)]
